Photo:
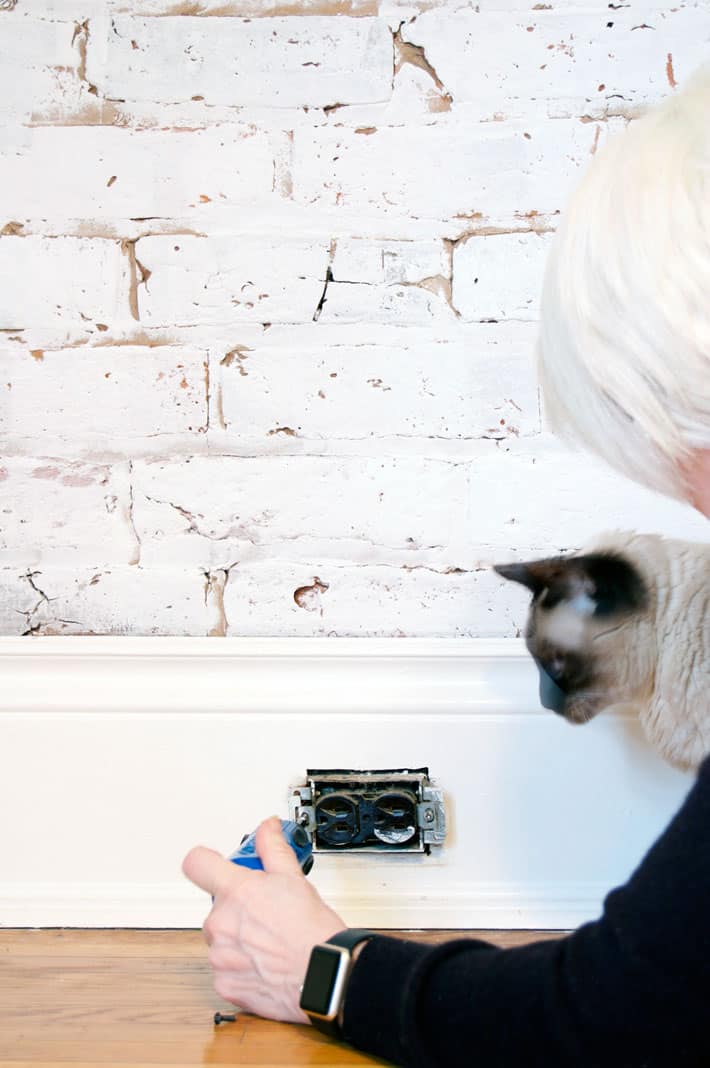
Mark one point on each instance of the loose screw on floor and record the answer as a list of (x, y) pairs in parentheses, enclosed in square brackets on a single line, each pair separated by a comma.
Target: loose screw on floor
[(224, 1017)]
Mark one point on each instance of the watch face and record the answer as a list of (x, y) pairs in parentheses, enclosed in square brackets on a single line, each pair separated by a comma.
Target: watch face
[(324, 979)]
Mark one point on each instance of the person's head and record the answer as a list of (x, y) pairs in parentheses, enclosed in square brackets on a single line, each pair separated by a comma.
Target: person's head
[(625, 339)]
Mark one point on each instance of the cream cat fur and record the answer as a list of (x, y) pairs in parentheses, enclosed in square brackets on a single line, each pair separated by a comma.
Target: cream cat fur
[(627, 622)]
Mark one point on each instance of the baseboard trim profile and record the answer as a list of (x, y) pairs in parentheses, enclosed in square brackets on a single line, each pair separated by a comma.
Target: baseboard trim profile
[(257, 675), (546, 907), (120, 754)]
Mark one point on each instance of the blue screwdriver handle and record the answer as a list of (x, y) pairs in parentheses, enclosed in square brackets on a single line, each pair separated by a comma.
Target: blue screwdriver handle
[(299, 840)]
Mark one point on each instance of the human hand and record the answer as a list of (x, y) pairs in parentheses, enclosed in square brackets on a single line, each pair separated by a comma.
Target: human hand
[(263, 925)]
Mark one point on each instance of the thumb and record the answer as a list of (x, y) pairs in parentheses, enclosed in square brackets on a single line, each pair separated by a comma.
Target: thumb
[(274, 851), (208, 869)]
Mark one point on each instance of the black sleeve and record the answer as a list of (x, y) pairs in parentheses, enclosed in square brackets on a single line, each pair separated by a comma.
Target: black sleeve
[(631, 990)]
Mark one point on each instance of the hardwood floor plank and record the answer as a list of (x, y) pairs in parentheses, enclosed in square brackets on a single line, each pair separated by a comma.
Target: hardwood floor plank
[(144, 999)]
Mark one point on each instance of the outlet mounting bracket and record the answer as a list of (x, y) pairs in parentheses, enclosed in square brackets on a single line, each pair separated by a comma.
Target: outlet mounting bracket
[(393, 810)]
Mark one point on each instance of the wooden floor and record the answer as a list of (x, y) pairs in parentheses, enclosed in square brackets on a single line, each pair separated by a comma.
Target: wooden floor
[(142, 999)]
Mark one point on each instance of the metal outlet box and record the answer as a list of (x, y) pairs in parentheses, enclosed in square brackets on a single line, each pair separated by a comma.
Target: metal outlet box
[(370, 811)]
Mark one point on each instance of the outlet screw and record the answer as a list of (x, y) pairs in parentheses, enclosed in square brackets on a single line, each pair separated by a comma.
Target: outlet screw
[(224, 1017), (429, 815)]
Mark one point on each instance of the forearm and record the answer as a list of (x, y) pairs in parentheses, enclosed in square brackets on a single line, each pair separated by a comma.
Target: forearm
[(549, 1004), (627, 991)]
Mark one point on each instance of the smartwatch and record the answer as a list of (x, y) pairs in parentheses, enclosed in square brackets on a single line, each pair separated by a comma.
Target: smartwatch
[(323, 989)]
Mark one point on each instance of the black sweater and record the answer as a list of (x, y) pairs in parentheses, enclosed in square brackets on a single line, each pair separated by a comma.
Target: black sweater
[(630, 990)]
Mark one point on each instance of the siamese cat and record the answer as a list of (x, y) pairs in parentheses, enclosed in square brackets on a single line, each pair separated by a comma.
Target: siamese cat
[(626, 622)]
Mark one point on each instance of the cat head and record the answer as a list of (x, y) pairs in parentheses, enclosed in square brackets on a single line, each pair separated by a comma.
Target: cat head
[(578, 629)]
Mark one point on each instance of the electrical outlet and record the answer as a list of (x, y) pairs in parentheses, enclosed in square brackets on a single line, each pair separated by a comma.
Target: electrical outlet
[(390, 811)]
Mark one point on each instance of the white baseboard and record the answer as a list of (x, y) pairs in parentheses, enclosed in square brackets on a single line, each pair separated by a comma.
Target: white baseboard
[(118, 754), (551, 906)]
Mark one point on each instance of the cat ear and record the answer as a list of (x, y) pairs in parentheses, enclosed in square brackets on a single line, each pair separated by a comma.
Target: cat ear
[(595, 583), (535, 575), (611, 581)]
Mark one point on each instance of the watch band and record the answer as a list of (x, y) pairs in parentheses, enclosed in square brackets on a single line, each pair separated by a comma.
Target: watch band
[(350, 937), (347, 939)]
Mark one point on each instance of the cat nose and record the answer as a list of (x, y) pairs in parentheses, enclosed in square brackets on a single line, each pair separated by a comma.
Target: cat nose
[(552, 696), (555, 668)]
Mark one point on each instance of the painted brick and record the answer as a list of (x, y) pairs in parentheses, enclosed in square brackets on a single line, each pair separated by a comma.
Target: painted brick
[(211, 512), (57, 10), (388, 262), (482, 384), (62, 282), (352, 303), (217, 511), (585, 60), (231, 279), (65, 513), (273, 62), (113, 600), (467, 173), (106, 173), (535, 496), (328, 598), (388, 282), (246, 8), (499, 276), (390, 448), (39, 64), (132, 399), (256, 279)]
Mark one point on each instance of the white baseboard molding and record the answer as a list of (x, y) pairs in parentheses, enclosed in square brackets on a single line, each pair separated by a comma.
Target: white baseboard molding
[(551, 907), (119, 754), (282, 675)]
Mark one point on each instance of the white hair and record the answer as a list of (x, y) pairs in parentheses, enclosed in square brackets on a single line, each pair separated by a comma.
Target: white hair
[(624, 348)]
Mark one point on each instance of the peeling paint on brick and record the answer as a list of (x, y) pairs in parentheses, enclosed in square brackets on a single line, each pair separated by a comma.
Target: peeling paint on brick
[(215, 585), (309, 597), (138, 276), (135, 557), (406, 52), (269, 306)]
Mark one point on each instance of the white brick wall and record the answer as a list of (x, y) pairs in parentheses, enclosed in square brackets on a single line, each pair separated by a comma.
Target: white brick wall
[(270, 276)]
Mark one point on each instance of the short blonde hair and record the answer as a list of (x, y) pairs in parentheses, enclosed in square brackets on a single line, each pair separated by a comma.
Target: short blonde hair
[(624, 349)]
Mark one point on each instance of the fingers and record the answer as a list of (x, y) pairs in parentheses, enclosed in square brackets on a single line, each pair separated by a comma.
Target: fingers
[(275, 853), (209, 870)]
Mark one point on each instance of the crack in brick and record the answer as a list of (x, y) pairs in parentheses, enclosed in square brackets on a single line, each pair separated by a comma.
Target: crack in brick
[(328, 279), (438, 570), (32, 627), (42, 595), (192, 523), (239, 532)]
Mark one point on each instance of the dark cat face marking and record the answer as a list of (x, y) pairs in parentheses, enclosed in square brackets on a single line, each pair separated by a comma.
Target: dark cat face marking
[(573, 600)]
